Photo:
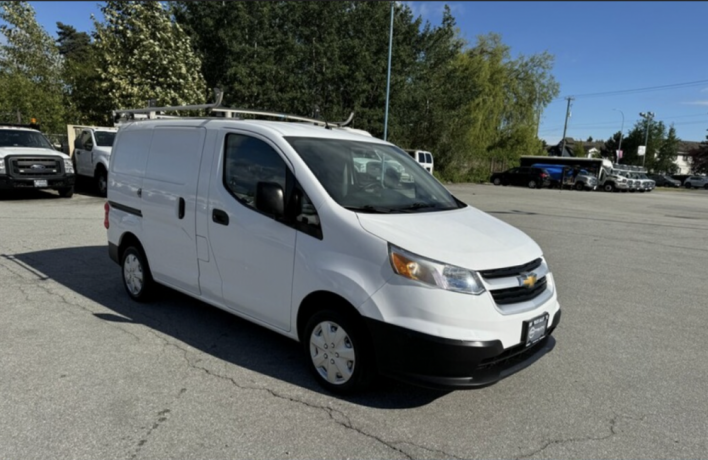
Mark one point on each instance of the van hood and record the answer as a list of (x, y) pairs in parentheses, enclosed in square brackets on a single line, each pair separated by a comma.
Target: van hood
[(5, 151), (465, 237)]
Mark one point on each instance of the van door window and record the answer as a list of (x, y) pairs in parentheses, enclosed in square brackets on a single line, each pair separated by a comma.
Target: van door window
[(421, 157), (247, 161), (428, 158)]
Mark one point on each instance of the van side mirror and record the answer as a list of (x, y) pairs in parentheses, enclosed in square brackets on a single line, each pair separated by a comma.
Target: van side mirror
[(270, 199)]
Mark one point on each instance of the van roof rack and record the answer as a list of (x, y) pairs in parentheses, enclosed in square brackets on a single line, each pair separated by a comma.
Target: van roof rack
[(152, 113)]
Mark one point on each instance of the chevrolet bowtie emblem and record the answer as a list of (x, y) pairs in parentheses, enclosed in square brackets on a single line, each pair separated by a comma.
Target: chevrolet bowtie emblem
[(527, 280)]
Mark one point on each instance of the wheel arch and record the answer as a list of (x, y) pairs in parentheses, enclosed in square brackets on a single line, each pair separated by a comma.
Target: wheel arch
[(319, 300)]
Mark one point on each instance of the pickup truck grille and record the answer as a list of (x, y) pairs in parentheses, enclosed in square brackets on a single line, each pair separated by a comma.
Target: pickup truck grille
[(35, 167), (519, 294)]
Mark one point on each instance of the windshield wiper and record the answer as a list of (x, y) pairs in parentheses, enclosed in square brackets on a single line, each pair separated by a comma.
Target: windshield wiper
[(417, 205), (369, 208)]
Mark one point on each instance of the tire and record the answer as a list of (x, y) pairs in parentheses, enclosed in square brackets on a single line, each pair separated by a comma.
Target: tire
[(354, 341), (579, 186), (609, 187), (532, 184), (688, 185), (137, 279), (66, 192), (101, 182), (496, 181)]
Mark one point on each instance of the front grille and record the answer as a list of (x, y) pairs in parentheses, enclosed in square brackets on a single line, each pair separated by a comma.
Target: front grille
[(35, 167), (510, 271), (518, 294)]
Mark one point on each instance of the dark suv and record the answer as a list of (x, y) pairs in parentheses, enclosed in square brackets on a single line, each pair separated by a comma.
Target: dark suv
[(664, 181), (528, 177)]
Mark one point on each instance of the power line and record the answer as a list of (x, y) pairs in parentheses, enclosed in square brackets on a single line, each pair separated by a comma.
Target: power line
[(641, 90)]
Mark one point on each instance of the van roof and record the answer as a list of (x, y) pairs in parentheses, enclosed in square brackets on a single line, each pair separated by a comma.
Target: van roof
[(18, 128), (281, 128)]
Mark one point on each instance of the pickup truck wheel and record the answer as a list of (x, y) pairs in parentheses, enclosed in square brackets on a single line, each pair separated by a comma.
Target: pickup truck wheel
[(579, 186), (102, 182), (338, 352), (66, 192), (137, 279), (609, 187)]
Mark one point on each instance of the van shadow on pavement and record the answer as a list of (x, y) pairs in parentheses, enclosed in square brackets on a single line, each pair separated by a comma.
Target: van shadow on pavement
[(89, 272)]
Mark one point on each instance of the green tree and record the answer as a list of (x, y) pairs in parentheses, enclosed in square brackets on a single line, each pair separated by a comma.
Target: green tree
[(665, 161), (589, 139), (141, 54), (30, 69), (579, 149), (699, 158), (80, 76)]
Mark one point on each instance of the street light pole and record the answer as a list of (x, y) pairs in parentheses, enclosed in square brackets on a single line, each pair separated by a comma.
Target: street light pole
[(388, 77), (648, 116), (619, 147)]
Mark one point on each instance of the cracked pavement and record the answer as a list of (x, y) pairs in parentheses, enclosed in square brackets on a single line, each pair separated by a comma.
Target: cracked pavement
[(86, 373)]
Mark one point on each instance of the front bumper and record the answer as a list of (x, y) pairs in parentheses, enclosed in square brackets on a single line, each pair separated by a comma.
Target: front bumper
[(13, 183), (439, 363)]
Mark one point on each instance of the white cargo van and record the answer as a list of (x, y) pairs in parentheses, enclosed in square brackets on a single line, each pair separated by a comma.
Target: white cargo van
[(424, 158), (272, 221)]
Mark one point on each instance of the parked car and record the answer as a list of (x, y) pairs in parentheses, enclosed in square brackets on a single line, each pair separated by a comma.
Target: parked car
[(423, 157), (523, 176), (270, 221), (570, 178), (696, 182), (29, 161), (664, 181), (92, 152)]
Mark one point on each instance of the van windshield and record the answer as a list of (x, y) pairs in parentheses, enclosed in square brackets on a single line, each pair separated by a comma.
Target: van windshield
[(371, 177)]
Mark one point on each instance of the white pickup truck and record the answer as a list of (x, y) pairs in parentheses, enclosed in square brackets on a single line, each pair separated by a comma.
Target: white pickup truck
[(28, 161), (92, 151)]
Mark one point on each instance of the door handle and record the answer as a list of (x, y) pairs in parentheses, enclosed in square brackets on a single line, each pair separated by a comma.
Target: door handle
[(180, 211), (220, 217)]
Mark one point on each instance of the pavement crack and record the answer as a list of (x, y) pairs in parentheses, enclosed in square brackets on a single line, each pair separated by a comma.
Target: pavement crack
[(554, 442), (160, 418), (336, 415)]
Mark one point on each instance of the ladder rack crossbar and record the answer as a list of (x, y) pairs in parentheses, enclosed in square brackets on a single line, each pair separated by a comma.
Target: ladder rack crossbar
[(283, 116)]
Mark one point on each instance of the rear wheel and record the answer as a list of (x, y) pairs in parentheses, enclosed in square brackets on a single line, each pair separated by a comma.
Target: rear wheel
[(688, 185), (137, 279), (705, 186), (101, 181), (338, 351), (497, 181)]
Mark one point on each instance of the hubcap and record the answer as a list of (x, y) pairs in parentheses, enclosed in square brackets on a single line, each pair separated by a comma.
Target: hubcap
[(532, 184), (332, 352), (133, 273)]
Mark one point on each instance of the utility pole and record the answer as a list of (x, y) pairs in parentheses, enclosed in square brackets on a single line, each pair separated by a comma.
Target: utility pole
[(388, 77), (648, 116), (565, 127), (619, 147)]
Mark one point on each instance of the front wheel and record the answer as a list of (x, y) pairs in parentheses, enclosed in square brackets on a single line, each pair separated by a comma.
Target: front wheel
[(338, 352), (579, 186), (688, 185), (533, 184), (496, 181), (137, 279), (705, 186), (66, 192), (609, 187)]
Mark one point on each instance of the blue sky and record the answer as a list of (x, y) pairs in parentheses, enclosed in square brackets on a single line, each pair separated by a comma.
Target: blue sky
[(599, 47)]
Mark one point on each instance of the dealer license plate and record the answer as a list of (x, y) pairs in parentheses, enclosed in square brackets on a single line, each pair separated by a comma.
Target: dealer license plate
[(535, 329), (40, 183)]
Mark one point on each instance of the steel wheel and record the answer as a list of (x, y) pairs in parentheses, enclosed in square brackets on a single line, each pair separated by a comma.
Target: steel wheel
[(609, 187), (339, 351), (102, 183), (332, 352), (137, 279)]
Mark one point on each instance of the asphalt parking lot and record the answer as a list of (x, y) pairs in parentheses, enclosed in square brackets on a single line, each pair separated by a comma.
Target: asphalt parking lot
[(85, 373)]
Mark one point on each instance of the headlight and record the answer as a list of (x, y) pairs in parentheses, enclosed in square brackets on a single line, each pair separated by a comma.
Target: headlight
[(68, 166), (443, 276)]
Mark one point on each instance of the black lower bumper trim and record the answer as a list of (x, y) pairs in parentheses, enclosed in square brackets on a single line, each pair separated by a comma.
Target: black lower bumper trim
[(445, 364), (11, 183), (113, 252)]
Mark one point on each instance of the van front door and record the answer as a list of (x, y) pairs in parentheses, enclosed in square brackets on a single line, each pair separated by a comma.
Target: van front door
[(83, 153), (169, 206), (254, 252)]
